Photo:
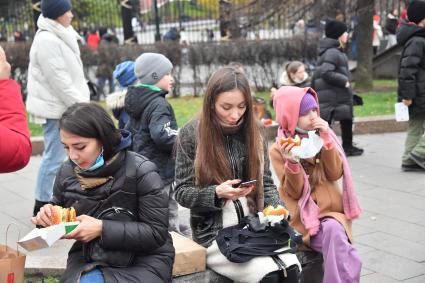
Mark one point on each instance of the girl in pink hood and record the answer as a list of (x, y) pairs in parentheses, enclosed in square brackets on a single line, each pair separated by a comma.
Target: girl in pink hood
[(309, 187)]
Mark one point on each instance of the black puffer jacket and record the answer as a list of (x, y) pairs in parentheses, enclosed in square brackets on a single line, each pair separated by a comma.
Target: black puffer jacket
[(411, 79), (153, 126), (329, 81), (148, 236)]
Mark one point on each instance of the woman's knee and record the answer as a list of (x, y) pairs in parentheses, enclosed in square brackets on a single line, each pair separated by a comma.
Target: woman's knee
[(332, 228)]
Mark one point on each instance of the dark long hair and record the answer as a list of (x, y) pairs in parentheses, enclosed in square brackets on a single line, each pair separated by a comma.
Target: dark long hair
[(90, 120), (212, 164)]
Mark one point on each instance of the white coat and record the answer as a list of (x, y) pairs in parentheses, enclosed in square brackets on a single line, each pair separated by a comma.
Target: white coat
[(55, 74)]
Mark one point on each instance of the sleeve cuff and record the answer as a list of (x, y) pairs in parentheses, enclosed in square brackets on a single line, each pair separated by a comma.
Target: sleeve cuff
[(293, 167), (328, 142)]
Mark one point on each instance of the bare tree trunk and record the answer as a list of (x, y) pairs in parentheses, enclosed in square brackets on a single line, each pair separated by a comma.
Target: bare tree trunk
[(364, 45)]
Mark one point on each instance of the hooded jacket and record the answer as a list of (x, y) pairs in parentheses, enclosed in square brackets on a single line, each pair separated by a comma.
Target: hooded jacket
[(15, 144), (326, 195), (329, 81), (55, 73), (411, 77), (148, 236), (153, 126)]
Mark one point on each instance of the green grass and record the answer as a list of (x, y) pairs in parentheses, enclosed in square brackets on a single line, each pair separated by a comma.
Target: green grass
[(186, 108), (40, 279), (376, 103), (379, 102)]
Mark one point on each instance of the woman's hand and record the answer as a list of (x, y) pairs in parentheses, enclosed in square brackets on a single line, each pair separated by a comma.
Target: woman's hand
[(89, 228), (407, 102), (286, 151), (43, 216), (320, 124), (226, 191)]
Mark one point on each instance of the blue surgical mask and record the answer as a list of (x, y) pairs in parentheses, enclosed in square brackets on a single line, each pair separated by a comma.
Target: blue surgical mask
[(100, 161)]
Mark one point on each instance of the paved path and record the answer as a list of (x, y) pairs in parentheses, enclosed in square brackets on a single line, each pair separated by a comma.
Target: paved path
[(390, 234)]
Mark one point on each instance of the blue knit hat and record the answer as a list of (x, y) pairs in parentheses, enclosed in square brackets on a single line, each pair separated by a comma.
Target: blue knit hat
[(307, 103), (124, 73), (53, 9)]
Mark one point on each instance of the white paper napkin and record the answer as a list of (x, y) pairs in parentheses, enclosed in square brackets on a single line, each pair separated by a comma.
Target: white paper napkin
[(309, 146)]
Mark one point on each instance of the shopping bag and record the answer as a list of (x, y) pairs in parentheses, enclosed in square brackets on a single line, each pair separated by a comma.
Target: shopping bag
[(12, 263)]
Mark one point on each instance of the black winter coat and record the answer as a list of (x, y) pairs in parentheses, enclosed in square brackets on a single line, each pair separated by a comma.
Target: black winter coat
[(154, 128), (411, 78), (329, 80), (148, 236)]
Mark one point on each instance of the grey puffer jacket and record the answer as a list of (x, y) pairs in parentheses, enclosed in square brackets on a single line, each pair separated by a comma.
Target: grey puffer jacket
[(148, 236), (206, 217), (411, 79), (329, 82)]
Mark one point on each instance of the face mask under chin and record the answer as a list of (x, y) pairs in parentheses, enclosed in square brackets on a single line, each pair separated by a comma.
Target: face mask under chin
[(100, 161)]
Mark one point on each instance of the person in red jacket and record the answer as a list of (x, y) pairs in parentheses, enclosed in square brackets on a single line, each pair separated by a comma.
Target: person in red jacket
[(15, 144)]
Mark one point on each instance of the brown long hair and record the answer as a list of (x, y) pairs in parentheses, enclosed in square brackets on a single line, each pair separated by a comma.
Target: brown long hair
[(212, 164)]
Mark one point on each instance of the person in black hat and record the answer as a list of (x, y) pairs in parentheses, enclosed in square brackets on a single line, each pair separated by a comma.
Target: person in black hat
[(331, 81), (55, 82), (411, 84)]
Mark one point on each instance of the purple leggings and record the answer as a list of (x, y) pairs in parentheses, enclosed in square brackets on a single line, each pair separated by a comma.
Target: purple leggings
[(342, 262)]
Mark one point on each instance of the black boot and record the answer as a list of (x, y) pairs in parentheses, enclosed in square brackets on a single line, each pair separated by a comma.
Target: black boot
[(37, 206)]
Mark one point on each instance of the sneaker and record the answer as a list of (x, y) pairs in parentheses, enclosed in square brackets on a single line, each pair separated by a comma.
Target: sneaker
[(411, 168), (419, 160), (353, 151)]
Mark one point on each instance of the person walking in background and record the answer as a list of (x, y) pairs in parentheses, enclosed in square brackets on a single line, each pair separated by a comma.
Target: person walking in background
[(391, 24), (215, 152), (309, 186), (15, 144), (152, 120), (124, 74), (55, 82), (93, 39), (411, 84), (377, 34), (108, 57), (331, 80)]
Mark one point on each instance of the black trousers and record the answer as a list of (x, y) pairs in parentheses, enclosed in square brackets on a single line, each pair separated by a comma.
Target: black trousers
[(346, 131)]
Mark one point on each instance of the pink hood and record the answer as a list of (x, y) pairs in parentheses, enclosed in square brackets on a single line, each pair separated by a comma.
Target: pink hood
[(286, 103)]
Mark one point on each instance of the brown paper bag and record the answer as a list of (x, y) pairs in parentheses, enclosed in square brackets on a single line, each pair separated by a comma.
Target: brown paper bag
[(12, 264), (190, 257)]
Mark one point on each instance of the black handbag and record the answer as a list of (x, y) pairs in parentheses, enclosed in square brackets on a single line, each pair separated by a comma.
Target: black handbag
[(111, 209), (250, 238), (357, 100)]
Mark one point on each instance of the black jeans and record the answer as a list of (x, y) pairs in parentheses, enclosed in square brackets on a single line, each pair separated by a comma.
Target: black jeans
[(346, 131)]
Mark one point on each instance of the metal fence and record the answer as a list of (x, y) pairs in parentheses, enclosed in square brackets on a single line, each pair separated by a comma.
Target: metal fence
[(147, 21), (151, 20)]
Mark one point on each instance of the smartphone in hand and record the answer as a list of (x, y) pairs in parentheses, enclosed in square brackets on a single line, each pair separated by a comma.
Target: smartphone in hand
[(248, 183)]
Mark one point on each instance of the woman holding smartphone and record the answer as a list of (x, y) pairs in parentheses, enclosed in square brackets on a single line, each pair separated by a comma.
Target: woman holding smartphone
[(215, 153)]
